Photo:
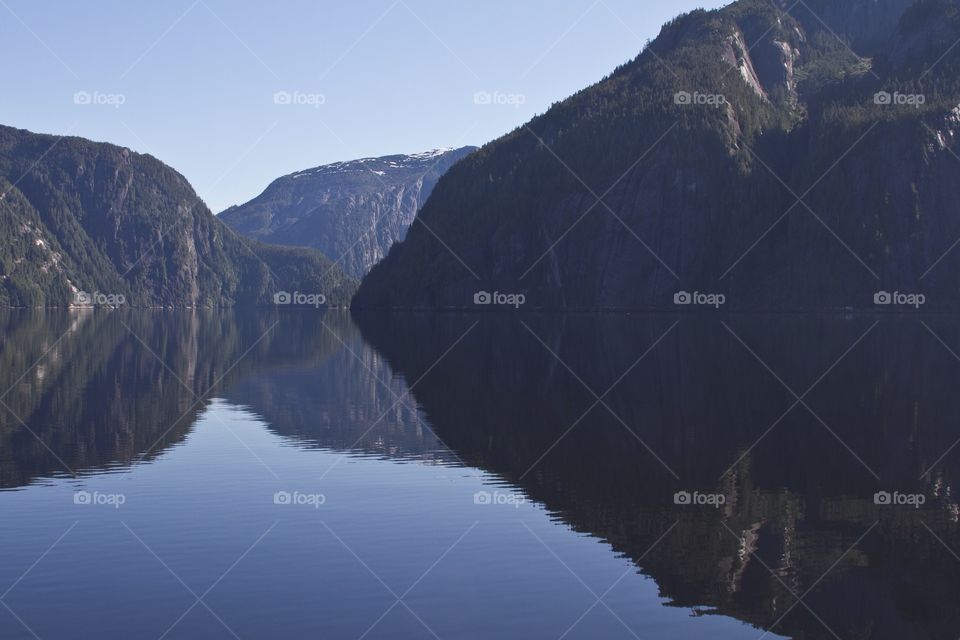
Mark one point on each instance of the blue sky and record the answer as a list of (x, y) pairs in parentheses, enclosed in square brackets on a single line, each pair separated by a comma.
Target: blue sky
[(233, 94)]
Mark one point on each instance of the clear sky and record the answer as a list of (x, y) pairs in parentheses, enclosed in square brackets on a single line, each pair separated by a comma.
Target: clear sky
[(234, 93)]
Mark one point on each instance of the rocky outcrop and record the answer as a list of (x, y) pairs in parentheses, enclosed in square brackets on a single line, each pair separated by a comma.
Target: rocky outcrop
[(353, 211)]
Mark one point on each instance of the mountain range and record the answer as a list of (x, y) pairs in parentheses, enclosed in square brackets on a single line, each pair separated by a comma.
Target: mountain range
[(81, 217), (353, 212), (770, 155), (767, 155)]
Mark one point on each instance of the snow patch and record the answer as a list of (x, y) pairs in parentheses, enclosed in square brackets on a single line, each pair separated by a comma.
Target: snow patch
[(412, 160)]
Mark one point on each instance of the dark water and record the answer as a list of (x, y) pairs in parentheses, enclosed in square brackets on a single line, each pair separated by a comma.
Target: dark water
[(263, 475)]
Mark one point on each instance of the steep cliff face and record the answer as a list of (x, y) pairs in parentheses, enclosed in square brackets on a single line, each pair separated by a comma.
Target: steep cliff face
[(85, 216), (353, 211), (750, 152)]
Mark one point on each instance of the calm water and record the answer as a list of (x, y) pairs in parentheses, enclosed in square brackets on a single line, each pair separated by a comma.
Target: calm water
[(264, 475)]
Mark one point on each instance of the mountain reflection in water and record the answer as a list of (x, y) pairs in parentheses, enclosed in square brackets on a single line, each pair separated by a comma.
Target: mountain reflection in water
[(791, 424)]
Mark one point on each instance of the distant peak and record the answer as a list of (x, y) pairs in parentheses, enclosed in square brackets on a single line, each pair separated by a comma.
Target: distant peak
[(434, 153), (377, 165)]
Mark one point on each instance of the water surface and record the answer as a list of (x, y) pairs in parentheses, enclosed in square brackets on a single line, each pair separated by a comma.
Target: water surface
[(262, 475)]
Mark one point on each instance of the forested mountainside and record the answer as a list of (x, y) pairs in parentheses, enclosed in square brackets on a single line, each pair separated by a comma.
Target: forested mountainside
[(81, 216), (784, 155)]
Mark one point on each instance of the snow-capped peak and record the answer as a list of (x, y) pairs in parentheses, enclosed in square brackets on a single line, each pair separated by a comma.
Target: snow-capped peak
[(376, 165)]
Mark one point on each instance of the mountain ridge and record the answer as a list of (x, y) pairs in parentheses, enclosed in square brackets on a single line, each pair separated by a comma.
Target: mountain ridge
[(91, 217), (351, 211), (706, 196)]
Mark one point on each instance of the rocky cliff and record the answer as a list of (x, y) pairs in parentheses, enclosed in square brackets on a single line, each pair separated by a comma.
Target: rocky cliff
[(352, 211)]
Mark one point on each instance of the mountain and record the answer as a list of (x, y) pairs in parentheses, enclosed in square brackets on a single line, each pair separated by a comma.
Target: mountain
[(785, 156), (353, 211), (86, 216)]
